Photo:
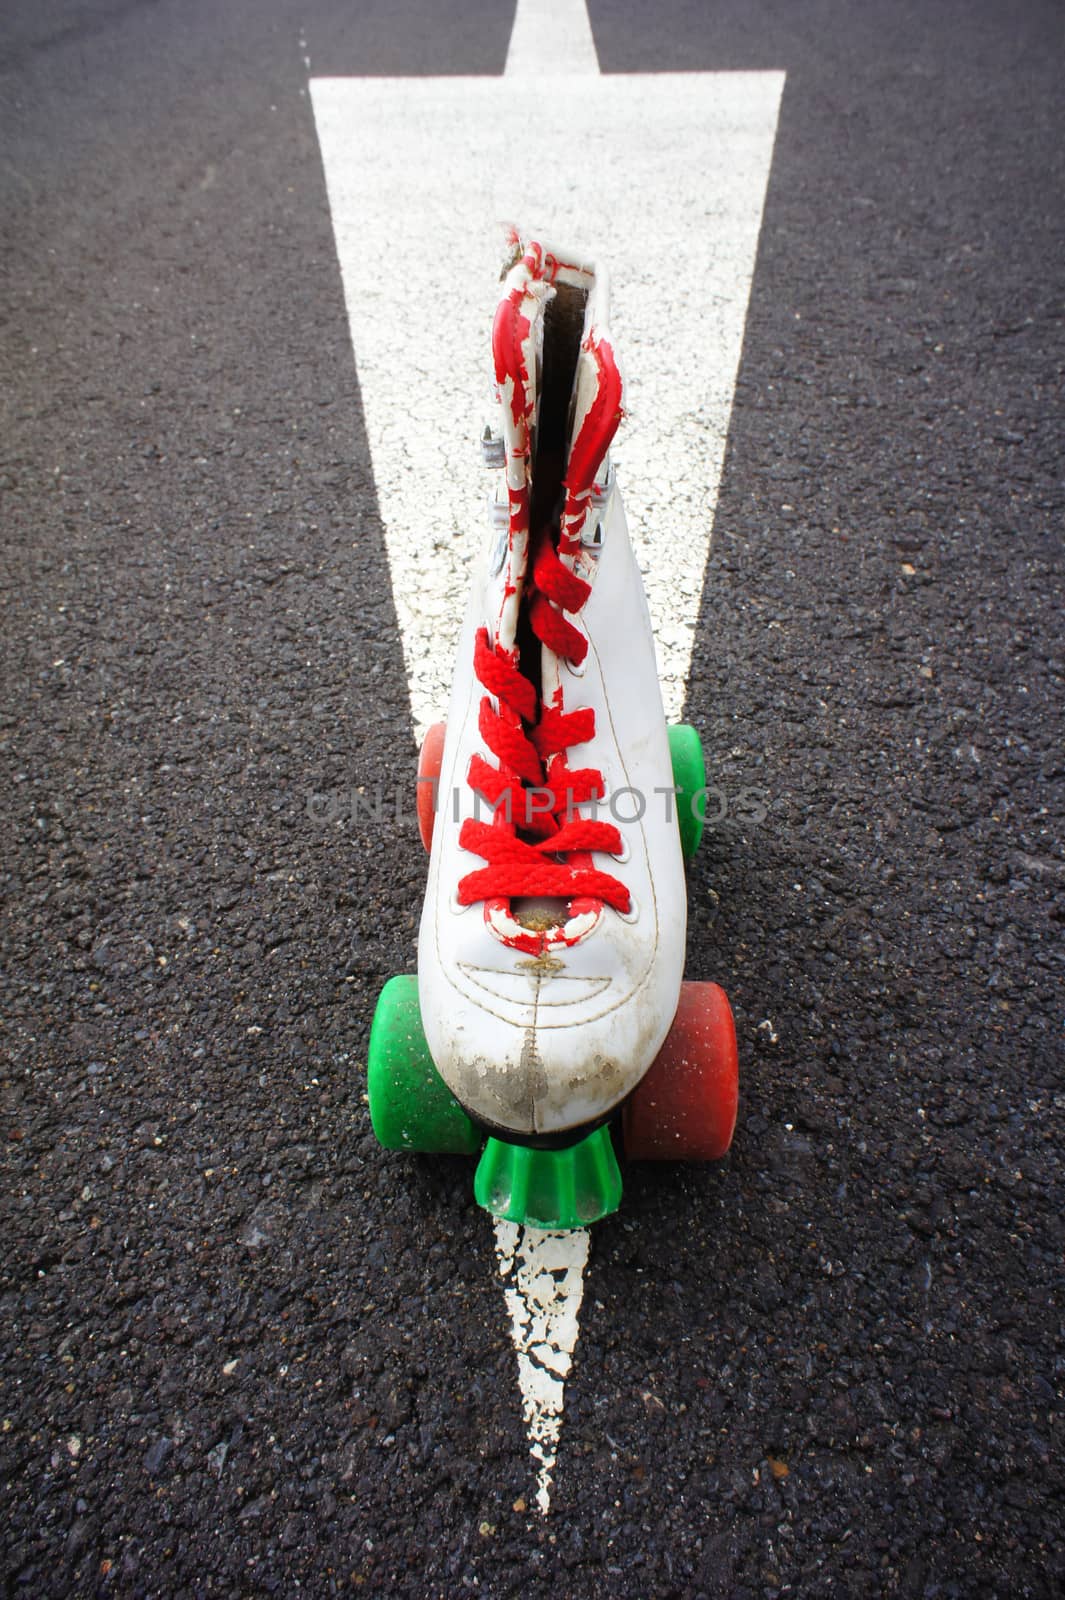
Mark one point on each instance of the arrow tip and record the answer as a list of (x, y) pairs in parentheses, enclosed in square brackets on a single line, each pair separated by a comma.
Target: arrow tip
[(543, 1285)]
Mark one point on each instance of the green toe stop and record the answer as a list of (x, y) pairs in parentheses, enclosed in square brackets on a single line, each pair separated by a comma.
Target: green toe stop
[(550, 1188)]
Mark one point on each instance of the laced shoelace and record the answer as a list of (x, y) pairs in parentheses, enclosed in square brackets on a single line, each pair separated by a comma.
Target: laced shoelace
[(533, 788)]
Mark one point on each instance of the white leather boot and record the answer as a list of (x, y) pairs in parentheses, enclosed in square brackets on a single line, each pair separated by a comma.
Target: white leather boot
[(552, 938)]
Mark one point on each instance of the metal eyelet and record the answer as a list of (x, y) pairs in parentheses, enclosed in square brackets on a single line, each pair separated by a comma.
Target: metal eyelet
[(493, 447), (632, 913), (622, 855)]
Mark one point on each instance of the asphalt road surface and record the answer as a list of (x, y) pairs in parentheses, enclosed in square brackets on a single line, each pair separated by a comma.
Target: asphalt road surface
[(244, 1351)]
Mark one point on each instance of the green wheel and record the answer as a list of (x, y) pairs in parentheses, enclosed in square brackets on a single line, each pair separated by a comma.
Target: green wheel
[(411, 1107), (689, 777)]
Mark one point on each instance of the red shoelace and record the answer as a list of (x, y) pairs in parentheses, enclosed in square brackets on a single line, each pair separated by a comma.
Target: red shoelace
[(534, 789)]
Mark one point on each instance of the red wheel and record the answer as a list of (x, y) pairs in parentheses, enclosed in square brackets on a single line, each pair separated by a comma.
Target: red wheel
[(432, 754), (684, 1108)]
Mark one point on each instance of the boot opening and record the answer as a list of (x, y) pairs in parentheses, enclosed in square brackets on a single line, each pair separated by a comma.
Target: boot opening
[(563, 330)]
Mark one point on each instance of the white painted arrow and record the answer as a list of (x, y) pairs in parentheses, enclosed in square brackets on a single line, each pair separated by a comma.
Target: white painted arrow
[(663, 177)]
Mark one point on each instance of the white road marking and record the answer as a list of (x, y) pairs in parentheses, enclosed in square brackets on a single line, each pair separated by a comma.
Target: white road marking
[(544, 1278), (664, 176), (551, 36)]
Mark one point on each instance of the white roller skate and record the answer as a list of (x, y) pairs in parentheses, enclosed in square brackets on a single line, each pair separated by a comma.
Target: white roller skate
[(551, 950)]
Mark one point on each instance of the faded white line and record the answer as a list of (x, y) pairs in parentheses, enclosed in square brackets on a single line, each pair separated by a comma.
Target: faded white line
[(665, 177), (543, 1276)]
